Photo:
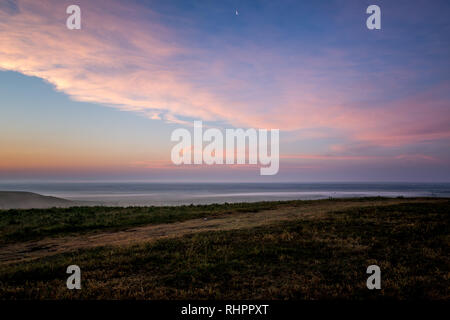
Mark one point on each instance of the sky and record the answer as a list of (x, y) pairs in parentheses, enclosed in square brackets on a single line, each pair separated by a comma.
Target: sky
[(100, 103)]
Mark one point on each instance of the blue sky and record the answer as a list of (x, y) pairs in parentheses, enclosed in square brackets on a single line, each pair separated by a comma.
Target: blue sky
[(100, 103)]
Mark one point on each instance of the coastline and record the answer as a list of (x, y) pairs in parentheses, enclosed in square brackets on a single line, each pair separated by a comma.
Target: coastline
[(173, 194)]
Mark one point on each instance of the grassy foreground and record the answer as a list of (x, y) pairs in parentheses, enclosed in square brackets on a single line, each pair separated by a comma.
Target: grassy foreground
[(310, 258), (32, 224)]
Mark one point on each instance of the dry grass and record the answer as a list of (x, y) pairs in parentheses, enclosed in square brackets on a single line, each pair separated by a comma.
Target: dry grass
[(29, 250), (312, 253)]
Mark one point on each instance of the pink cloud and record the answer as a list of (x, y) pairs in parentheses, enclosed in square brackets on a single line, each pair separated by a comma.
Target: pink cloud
[(124, 58)]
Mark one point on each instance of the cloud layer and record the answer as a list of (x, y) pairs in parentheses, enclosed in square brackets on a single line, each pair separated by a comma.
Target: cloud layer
[(126, 57)]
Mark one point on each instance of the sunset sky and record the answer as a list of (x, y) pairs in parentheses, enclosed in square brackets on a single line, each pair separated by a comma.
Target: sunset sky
[(100, 103)]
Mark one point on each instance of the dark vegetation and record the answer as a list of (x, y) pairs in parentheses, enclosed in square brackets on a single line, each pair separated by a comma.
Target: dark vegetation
[(18, 225), (321, 258), (34, 224)]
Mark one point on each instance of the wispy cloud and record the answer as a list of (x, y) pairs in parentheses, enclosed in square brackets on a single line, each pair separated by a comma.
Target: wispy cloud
[(124, 57)]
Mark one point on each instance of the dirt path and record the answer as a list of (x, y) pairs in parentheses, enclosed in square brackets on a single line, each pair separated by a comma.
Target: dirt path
[(19, 252)]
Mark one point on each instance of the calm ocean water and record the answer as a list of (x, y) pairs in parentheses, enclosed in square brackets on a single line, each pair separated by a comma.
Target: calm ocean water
[(125, 194)]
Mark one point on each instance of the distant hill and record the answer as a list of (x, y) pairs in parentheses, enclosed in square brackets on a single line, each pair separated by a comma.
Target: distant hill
[(28, 200)]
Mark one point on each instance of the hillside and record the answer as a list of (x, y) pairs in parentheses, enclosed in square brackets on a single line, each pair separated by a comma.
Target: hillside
[(28, 200)]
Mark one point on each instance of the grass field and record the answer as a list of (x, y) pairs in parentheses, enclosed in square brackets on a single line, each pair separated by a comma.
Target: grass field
[(23, 225), (299, 250)]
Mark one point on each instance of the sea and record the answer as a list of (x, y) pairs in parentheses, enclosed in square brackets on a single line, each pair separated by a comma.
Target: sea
[(158, 194)]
